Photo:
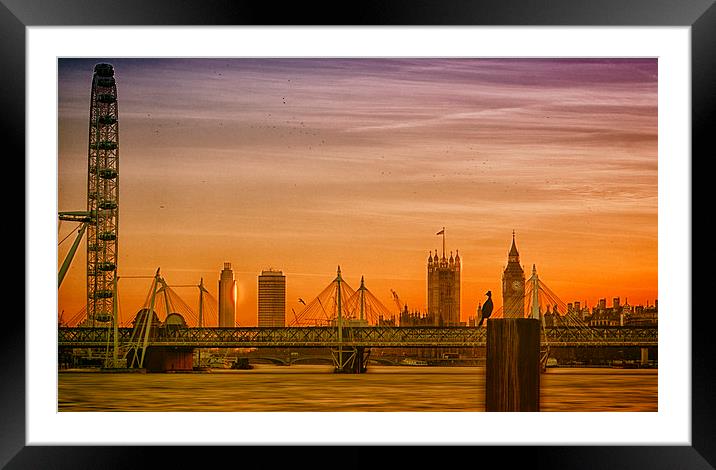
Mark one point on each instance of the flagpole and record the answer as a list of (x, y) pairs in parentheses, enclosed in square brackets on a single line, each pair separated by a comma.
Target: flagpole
[(443, 242)]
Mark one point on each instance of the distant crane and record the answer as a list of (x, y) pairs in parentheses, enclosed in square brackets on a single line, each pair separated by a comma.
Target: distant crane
[(398, 303), (396, 299)]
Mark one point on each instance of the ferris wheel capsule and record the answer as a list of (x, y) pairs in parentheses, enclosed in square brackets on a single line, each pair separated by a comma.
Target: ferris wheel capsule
[(104, 70), (103, 317), (105, 82), (106, 98)]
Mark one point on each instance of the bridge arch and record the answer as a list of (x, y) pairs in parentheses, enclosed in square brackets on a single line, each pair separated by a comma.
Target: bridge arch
[(322, 359)]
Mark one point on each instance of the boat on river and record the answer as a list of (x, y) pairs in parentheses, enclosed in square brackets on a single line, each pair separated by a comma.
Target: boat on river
[(409, 361)]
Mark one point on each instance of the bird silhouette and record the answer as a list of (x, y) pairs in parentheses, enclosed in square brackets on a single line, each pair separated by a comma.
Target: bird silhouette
[(486, 308)]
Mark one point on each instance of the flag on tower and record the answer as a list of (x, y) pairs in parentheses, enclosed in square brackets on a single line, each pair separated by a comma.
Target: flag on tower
[(440, 232)]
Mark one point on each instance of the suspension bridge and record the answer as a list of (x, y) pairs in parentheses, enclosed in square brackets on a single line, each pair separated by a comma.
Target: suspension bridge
[(350, 328)]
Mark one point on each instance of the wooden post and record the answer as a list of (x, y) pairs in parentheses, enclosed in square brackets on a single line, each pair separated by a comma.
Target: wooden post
[(513, 368)]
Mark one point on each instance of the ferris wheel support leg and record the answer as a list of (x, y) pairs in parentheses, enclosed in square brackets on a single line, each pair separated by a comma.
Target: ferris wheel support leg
[(68, 259)]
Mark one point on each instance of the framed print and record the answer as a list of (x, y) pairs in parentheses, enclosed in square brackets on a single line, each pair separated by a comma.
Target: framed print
[(388, 92)]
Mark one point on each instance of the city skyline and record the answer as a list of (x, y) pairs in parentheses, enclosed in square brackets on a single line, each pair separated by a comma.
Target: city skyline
[(306, 164)]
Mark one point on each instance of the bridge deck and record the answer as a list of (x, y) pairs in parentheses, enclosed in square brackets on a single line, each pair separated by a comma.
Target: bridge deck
[(387, 337)]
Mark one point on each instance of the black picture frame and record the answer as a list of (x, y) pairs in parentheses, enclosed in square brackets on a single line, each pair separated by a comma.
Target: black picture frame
[(699, 15)]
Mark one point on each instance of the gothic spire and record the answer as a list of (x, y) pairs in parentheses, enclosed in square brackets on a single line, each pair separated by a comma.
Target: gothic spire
[(513, 249)]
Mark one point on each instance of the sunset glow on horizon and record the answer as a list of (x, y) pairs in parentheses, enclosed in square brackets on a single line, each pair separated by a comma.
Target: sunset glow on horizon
[(302, 165)]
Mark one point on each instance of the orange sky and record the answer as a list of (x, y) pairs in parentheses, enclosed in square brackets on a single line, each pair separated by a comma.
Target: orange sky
[(305, 164)]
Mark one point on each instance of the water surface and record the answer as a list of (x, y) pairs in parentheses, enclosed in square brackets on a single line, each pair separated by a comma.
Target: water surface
[(316, 388)]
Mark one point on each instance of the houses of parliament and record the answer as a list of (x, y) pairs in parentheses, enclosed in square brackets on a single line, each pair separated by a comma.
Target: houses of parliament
[(443, 285)]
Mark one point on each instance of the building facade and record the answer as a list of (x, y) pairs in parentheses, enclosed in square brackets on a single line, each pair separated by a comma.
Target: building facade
[(623, 314), (272, 299), (513, 285), (444, 289), (227, 297)]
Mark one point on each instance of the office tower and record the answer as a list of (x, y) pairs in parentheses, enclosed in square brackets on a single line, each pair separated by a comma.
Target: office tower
[(227, 297), (272, 299), (513, 285)]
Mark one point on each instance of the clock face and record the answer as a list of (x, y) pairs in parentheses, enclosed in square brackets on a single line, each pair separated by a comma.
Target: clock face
[(516, 285)]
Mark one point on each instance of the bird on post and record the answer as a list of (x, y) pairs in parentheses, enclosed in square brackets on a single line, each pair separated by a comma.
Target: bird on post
[(486, 308)]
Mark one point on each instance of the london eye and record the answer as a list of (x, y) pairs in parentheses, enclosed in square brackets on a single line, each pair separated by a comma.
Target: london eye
[(101, 220)]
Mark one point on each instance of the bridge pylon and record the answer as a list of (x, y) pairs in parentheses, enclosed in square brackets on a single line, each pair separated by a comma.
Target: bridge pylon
[(349, 359)]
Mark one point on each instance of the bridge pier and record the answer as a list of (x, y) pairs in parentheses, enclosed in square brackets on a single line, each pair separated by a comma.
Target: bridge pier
[(644, 356), (362, 360), (165, 359), (352, 360)]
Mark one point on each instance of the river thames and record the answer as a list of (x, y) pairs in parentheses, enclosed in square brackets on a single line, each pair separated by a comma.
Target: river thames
[(316, 388)]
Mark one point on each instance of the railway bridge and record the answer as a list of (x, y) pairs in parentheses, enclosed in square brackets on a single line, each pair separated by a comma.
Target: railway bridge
[(350, 350), (366, 337)]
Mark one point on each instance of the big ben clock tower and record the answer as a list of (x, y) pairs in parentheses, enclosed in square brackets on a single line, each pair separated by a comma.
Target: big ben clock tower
[(513, 285)]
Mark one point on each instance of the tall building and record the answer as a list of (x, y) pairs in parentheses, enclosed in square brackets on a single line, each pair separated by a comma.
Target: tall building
[(227, 297), (513, 285), (444, 289), (272, 299)]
